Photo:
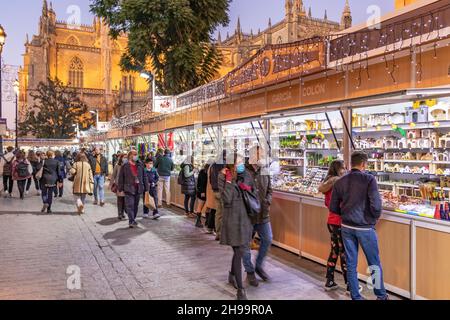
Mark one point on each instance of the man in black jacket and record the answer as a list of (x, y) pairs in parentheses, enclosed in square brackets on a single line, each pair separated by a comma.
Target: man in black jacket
[(99, 166), (133, 182), (356, 198)]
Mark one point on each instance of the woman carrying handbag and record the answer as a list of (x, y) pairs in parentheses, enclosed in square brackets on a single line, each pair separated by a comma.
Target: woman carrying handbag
[(236, 224)]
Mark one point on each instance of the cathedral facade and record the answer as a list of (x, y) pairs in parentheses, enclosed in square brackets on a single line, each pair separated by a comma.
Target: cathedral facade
[(297, 24), (81, 56), (87, 59)]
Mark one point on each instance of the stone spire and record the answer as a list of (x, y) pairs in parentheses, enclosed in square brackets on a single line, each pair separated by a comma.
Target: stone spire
[(325, 16), (27, 39), (299, 8), (219, 38), (346, 20), (288, 6), (270, 23), (309, 12), (45, 8), (239, 30)]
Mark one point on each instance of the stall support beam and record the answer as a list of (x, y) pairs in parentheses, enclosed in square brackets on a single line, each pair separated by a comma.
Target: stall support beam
[(347, 139)]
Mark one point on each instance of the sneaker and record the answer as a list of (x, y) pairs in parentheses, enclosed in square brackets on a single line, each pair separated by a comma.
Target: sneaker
[(252, 280), (156, 216), (49, 210), (38, 193), (262, 274), (95, 202), (27, 192), (6, 194), (135, 223), (208, 231), (102, 204), (145, 216), (121, 217), (384, 299), (330, 285), (131, 226)]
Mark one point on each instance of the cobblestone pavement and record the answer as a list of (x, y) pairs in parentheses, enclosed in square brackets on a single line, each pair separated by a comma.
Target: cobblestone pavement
[(165, 259)]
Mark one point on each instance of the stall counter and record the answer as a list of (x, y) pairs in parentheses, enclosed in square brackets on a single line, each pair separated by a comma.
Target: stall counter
[(413, 250)]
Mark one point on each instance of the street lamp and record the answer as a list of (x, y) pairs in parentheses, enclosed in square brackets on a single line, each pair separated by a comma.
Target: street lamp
[(16, 91), (149, 76), (96, 113), (2, 43)]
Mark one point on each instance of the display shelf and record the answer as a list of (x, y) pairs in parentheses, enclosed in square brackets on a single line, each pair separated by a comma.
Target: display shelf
[(407, 185), (410, 161), (292, 158)]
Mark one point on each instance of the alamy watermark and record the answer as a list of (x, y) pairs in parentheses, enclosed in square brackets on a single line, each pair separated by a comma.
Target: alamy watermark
[(74, 279)]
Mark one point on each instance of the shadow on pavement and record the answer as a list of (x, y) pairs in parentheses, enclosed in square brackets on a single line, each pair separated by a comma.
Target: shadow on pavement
[(123, 236), (109, 221), (39, 213)]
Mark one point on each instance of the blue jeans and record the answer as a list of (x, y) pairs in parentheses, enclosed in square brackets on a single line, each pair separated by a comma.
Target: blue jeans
[(99, 183), (265, 234), (132, 205), (369, 243), (47, 195)]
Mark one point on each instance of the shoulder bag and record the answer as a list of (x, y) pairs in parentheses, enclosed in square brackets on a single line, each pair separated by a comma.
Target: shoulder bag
[(38, 174)]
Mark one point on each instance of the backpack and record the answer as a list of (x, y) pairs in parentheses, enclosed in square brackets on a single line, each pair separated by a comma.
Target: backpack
[(7, 167), (22, 169)]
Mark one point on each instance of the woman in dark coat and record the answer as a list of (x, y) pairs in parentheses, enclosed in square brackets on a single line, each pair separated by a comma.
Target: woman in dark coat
[(133, 182), (188, 186), (50, 178), (236, 225)]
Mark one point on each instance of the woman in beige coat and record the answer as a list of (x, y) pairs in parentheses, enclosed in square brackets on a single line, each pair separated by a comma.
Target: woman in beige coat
[(210, 206), (83, 183)]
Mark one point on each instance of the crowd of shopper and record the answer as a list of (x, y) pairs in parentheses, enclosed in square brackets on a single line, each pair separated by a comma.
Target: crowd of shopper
[(229, 197)]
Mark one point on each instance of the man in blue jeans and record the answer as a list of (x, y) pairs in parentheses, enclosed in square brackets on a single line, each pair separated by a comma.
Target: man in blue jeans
[(99, 166), (257, 177), (356, 198)]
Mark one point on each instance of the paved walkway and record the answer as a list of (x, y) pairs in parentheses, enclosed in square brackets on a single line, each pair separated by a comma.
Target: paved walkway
[(165, 259)]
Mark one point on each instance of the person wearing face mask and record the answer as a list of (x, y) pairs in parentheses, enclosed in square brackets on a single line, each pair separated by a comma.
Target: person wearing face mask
[(256, 174), (335, 172), (236, 224), (133, 182), (99, 166)]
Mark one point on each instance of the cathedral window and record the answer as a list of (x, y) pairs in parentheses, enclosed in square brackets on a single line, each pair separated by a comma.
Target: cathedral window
[(73, 41), (76, 73), (280, 40)]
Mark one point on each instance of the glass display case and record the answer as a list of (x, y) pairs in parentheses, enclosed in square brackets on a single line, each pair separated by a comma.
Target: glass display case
[(304, 146), (408, 148), (241, 137), (201, 143)]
